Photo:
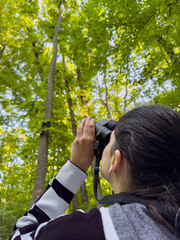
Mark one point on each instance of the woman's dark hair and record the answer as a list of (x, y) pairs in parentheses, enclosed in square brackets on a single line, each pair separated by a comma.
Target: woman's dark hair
[(149, 138)]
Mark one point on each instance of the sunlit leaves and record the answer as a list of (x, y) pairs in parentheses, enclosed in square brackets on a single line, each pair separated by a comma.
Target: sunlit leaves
[(135, 44)]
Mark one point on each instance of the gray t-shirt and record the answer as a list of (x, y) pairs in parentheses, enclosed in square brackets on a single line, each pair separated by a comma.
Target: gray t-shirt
[(132, 222)]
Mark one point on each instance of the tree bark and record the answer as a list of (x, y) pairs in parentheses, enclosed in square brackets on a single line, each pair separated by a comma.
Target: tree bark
[(40, 178)]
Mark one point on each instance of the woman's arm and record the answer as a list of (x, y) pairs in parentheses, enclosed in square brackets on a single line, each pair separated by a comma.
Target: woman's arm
[(55, 200), (63, 187)]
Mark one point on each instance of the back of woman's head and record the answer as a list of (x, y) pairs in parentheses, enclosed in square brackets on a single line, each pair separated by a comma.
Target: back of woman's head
[(149, 138)]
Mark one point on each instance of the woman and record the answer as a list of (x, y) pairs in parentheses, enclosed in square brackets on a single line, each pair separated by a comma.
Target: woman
[(142, 164)]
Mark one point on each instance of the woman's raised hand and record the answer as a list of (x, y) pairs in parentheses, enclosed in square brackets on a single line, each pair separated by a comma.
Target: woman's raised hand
[(82, 152)]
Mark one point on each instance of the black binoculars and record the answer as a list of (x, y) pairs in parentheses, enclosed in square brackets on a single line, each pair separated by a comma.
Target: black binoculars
[(103, 130)]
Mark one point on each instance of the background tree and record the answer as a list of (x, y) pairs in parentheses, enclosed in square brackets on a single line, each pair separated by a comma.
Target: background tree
[(40, 178)]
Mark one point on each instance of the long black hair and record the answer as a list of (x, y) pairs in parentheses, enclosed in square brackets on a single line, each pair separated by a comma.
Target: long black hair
[(149, 138)]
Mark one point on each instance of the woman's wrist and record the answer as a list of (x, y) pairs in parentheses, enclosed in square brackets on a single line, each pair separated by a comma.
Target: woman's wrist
[(78, 166)]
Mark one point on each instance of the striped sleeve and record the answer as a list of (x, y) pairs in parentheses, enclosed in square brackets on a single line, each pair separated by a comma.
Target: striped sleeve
[(77, 225), (53, 203)]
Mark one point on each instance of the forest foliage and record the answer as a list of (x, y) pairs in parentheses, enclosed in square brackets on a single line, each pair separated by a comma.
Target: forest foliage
[(112, 56)]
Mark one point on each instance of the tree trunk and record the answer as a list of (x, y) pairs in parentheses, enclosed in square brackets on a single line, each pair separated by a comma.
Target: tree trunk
[(84, 196), (40, 178), (73, 123), (75, 203)]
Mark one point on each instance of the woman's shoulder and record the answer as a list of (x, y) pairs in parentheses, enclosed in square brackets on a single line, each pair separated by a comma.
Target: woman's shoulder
[(133, 221)]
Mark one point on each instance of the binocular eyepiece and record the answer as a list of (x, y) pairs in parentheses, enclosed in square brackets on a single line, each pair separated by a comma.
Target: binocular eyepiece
[(103, 130)]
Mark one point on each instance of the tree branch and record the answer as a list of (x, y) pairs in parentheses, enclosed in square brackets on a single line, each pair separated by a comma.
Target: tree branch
[(49, 97), (36, 56), (2, 50)]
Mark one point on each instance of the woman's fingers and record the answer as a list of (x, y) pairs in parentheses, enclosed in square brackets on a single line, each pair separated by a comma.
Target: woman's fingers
[(86, 127), (80, 128), (92, 128)]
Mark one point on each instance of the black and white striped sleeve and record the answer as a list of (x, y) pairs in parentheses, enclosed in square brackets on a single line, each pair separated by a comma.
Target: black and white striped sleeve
[(53, 203)]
